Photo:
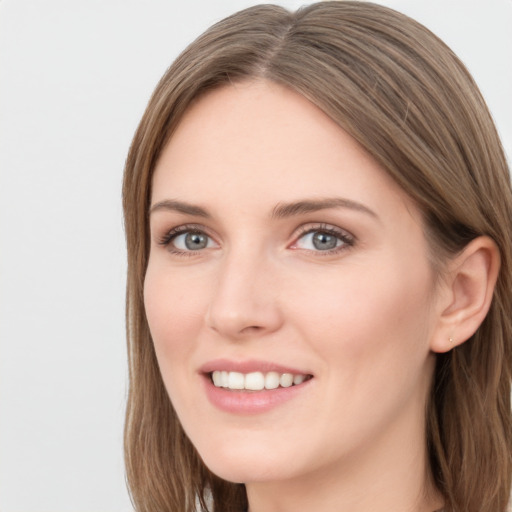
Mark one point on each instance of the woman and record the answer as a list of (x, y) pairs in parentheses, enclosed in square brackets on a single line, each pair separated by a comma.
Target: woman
[(318, 216)]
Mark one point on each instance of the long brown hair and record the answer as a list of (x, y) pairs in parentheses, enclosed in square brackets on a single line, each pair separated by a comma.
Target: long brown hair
[(402, 93)]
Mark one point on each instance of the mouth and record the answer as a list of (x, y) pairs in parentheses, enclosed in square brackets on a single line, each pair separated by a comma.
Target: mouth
[(256, 381), (253, 386)]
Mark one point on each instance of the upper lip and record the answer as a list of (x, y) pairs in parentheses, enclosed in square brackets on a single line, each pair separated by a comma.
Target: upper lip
[(248, 366)]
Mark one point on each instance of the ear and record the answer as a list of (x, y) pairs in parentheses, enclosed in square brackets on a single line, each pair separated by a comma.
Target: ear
[(467, 293)]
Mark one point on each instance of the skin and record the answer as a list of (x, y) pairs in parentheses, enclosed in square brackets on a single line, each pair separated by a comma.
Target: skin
[(361, 319)]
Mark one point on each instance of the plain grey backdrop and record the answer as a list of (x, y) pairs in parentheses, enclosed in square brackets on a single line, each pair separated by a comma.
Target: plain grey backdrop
[(74, 80)]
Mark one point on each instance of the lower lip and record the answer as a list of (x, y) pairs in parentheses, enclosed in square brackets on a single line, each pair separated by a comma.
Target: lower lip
[(251, 402)]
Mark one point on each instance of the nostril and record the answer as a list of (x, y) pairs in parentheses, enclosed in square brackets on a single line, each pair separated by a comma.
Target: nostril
[(252, 328)]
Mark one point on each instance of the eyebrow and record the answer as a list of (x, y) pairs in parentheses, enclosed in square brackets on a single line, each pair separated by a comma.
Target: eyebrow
[(313, 205), (280, 211), (179, 206)]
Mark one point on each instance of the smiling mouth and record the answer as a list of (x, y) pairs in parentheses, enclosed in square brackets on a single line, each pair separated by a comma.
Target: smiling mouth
[(256, 381)]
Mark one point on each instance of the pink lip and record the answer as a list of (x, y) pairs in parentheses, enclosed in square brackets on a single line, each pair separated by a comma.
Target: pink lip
[(250, 402), (252, 365)]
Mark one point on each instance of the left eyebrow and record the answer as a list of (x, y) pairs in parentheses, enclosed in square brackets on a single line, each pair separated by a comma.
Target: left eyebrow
[(283, 210)]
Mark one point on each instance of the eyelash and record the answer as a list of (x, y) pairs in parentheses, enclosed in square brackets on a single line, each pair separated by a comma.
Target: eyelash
[(167, 238), (346, 238)]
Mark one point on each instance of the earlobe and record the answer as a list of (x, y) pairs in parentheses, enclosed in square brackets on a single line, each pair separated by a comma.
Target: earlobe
[(469, 286)]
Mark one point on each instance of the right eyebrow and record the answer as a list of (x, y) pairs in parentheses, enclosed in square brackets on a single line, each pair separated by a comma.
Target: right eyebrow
[(179, 206)]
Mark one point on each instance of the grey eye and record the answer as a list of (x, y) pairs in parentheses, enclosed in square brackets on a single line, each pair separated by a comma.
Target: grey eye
[(195, 241), (192, 241), (318, 240), (324, 241)]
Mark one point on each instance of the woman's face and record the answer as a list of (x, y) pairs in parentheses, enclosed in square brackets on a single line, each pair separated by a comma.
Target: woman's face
[(283, 255)]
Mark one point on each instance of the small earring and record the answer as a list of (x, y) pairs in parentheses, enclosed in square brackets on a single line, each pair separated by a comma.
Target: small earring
[(451, 340)]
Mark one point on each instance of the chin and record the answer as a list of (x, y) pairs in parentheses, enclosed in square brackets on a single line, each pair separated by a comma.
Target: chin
[(248, 464), (247, 472)]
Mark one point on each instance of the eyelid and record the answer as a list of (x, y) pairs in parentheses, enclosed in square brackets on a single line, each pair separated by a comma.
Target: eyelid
[(345, 236), (170, 234)]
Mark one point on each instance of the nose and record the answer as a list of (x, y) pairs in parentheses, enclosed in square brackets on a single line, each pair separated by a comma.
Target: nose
[(244, 302)]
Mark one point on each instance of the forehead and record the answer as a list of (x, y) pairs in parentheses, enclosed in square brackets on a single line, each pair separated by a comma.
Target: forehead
[(258, 141)]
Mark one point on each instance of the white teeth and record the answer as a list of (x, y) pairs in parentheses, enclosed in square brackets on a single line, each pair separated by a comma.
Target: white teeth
[(298, 379), (255, 381), (217, 378), (272, 380), (286, 380), (236, 380)]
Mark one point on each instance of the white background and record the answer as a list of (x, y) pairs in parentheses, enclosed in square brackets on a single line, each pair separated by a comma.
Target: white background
[(74, 80)]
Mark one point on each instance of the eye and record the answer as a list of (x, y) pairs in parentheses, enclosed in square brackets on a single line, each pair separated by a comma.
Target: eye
[(192, 241), (323, 239), (184, 239)]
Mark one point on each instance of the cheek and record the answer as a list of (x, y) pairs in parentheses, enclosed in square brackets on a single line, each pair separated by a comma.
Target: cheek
[(369, 321), (371, 331), (174, 315)]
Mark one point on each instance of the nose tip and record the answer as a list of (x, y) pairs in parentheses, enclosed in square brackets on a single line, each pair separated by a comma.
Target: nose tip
[(235, 324), (243, 318)]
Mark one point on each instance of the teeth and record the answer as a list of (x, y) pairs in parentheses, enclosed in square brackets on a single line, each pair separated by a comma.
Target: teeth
[(286, 380), (298, 379), (272, 380), (255, 381), (236, 380), (217, 379)]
